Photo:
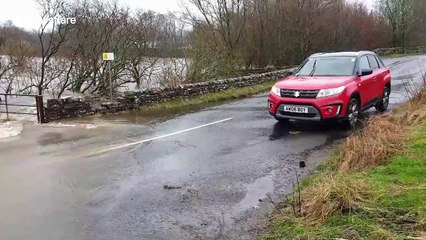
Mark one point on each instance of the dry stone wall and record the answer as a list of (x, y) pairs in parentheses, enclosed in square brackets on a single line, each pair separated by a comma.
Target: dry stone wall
[(75, 107)]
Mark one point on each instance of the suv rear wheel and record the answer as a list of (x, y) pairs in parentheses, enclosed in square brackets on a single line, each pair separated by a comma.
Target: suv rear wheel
[(352, 114), (384, 102)]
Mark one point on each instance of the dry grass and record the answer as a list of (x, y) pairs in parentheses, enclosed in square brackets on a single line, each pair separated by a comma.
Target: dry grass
[(383, 137), (383, 234), (380, 140), (418, 236), (332, 194)]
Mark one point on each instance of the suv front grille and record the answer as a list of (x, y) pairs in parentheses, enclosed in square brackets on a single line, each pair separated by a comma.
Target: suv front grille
[(306, 115), (302, 93)]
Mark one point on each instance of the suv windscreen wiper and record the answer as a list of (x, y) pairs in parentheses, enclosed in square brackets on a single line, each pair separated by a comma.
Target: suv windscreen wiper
[(314, 67)]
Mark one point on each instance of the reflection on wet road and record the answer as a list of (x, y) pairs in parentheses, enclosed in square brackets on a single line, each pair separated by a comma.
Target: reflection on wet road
[(219, 177)]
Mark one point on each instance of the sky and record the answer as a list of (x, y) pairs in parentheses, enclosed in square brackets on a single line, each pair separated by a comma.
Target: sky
[(25, 14), (369, 3)]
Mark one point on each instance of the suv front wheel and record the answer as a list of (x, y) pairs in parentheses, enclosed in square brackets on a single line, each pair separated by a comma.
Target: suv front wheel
[(353, 113)]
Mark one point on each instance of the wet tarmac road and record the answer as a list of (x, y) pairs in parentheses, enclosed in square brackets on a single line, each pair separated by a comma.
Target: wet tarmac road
[(205, 175)]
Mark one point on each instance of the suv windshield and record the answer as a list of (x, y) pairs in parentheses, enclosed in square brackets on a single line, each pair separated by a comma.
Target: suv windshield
[(328, 66)]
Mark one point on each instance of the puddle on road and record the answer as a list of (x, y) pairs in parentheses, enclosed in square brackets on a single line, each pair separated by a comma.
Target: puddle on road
[(295, 129), (256, 191), (50, 138), (226, 221)]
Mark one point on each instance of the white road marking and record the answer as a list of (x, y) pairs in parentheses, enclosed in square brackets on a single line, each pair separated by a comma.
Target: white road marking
[(154, 138)]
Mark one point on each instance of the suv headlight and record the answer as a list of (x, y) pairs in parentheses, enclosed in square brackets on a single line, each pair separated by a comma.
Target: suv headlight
[(276, 91), (330, 92)]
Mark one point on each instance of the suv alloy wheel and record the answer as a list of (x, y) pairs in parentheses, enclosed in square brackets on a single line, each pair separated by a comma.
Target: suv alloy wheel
[(353, 113)]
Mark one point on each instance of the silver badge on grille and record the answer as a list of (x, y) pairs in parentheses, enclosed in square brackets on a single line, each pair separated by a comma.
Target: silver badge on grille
[(297, 94)]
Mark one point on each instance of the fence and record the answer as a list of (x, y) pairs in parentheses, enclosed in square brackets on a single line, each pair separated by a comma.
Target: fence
[(39, 106)]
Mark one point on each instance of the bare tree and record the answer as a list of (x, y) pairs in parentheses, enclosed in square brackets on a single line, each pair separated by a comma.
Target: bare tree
[(401, 15), (218, 33), (14, 50), (227, 17), (143, 33), (7, 64), (52, 36), (102, 29), (172, 70)]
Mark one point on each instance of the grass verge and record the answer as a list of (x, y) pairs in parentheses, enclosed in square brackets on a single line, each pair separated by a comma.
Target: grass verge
[(374, 187), (195, 103)]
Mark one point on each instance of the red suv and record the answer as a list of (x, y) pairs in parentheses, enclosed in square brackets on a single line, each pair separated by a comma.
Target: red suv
[(332, 85)]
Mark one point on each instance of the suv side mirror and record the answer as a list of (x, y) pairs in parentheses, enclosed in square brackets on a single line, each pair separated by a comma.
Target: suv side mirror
[(366, 72)]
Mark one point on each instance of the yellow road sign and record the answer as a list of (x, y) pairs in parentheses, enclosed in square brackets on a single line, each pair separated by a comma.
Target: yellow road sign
[(108, 56)]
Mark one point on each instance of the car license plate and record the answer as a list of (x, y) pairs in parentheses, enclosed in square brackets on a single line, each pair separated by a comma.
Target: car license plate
[(296, 109)]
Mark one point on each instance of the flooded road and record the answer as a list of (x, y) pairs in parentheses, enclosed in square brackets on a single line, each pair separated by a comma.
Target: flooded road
[(205, 175)]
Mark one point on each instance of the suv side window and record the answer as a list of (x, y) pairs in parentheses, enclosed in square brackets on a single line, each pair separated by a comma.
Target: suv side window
[(363, 64), (373, 62), (381, 64)]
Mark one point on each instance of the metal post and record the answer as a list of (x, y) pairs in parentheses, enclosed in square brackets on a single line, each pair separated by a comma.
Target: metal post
[(110, 79), (7, 108), (38, 109), (42, 113)]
